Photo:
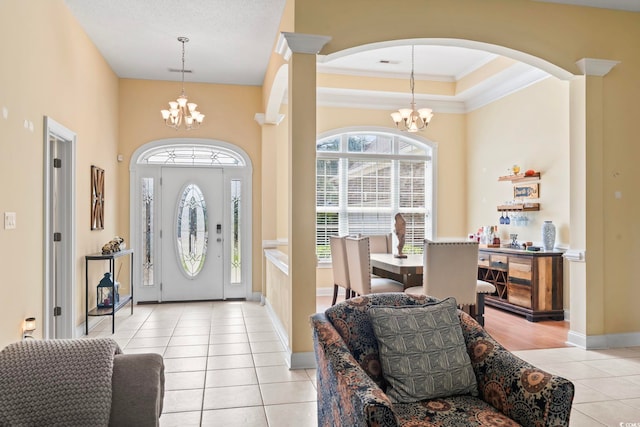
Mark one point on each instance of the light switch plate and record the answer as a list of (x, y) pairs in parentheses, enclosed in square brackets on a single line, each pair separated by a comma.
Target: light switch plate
[(9, 220)]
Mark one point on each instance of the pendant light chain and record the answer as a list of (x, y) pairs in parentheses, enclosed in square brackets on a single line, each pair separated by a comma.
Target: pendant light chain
[(183, 40), (412, 83)]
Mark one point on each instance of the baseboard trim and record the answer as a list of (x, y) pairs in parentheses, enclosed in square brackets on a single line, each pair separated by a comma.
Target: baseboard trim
[(594, 342), (277, 324), (303, 360)]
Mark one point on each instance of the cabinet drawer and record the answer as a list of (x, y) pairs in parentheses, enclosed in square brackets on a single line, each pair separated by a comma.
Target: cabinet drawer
[(483, 260), (520, 270), (499, 262), (519, 295)]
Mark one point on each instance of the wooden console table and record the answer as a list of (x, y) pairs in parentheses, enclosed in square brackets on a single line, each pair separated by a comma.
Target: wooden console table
[(527, 283)]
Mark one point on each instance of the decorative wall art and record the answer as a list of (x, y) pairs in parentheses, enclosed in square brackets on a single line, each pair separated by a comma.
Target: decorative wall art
[(526, 191), (97, 198)]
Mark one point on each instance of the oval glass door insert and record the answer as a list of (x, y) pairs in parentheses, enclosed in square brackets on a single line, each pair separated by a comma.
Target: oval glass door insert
[(192, 230)]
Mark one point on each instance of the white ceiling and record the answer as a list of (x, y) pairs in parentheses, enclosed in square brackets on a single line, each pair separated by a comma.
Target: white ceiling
[(231, 42)]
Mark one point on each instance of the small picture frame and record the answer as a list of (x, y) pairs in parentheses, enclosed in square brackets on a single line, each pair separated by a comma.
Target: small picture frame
[(526, 191), (97, 198)]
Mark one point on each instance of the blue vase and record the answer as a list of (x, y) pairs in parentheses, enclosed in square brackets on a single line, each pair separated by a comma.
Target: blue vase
[(548, 235)]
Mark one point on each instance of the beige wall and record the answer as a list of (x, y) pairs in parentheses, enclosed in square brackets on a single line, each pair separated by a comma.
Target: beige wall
[(56, 71), (540, 30), (531, 129), (49, 68), (229, 112)]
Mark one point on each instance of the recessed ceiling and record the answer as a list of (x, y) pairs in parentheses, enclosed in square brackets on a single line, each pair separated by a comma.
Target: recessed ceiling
[(440, 63)]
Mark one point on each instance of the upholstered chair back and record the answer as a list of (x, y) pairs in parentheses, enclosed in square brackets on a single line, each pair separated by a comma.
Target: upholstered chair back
[(451, 269), (357, 249), (380, 243), (339, 261)]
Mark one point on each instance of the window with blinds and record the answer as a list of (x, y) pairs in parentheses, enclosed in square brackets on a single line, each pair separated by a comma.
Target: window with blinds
[(364, 178)]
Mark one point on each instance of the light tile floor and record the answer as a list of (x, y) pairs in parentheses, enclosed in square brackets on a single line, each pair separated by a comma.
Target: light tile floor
[(225, 366)]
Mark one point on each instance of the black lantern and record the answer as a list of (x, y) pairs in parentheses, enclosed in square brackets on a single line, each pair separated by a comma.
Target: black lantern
[(105, 292)]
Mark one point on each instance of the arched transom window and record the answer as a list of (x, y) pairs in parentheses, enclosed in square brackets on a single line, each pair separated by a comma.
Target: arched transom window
[(192, 155), (364, 178)]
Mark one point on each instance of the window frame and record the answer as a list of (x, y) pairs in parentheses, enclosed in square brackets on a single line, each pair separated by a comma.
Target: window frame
[(343, 156)]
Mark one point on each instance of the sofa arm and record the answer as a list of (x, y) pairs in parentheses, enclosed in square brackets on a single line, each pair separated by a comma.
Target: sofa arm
[(524, 393), (347, 396), (137, 390)]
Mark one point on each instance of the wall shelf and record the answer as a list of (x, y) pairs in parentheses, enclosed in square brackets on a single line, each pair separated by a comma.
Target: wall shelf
[(521, 177), (522, 207)]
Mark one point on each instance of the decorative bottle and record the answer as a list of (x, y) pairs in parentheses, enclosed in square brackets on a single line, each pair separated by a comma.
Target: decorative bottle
[(548, 235)]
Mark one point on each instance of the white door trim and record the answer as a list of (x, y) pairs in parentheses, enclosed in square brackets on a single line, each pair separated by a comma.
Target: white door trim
[(242, 173), (68, 293)]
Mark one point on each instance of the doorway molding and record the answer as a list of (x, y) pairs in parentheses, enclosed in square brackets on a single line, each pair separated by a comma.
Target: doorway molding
[(243, 172), (53, 129)]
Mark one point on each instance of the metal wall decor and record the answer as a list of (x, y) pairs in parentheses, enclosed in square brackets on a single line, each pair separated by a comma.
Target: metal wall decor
[(97, 198)]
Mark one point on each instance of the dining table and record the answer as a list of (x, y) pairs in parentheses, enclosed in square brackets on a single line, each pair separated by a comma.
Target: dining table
[(406, 270)]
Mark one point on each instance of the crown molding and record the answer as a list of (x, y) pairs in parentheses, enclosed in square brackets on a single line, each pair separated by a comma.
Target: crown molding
[(282, 48), (507, 82), (503, 84)]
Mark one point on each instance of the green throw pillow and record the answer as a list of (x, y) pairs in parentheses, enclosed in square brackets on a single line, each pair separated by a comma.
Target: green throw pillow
[(422, 351)]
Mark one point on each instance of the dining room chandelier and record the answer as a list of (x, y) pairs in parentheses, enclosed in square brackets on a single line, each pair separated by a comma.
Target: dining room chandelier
[(181, 111), (410, 119)]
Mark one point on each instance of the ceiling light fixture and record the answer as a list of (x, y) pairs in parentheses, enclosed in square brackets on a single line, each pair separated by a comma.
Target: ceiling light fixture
[(181, 111), (410, 119)]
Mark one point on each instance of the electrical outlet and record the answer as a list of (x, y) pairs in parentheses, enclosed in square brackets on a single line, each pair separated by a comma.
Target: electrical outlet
[(9, 220)]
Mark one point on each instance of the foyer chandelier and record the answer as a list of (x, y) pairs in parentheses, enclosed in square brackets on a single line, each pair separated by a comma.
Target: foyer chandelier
[(180, 111), (410, 119)]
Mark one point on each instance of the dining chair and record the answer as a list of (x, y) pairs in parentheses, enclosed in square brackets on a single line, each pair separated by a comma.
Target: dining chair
[(451, 270), (340, 267), (360, 279), (380, 243)]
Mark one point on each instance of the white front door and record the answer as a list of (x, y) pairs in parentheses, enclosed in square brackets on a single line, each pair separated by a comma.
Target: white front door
[(192, 234)]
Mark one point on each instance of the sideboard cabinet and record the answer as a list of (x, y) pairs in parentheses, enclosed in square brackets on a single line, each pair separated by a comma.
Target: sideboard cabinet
[(527, 283)]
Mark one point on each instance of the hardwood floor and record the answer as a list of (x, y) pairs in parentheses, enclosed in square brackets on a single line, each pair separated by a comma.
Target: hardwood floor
[(512, 331), (516, 333)]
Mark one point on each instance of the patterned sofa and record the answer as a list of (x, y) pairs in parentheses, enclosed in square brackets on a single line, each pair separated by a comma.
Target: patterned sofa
[(351, 388)]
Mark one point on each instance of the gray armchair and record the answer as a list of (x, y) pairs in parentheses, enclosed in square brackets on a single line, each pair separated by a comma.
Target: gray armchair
[(79, 382)]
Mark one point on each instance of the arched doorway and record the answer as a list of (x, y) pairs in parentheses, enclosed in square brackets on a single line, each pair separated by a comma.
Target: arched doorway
[(191, 220)]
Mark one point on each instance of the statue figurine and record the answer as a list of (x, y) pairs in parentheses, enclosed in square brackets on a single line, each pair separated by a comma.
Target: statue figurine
[(400, 229)]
